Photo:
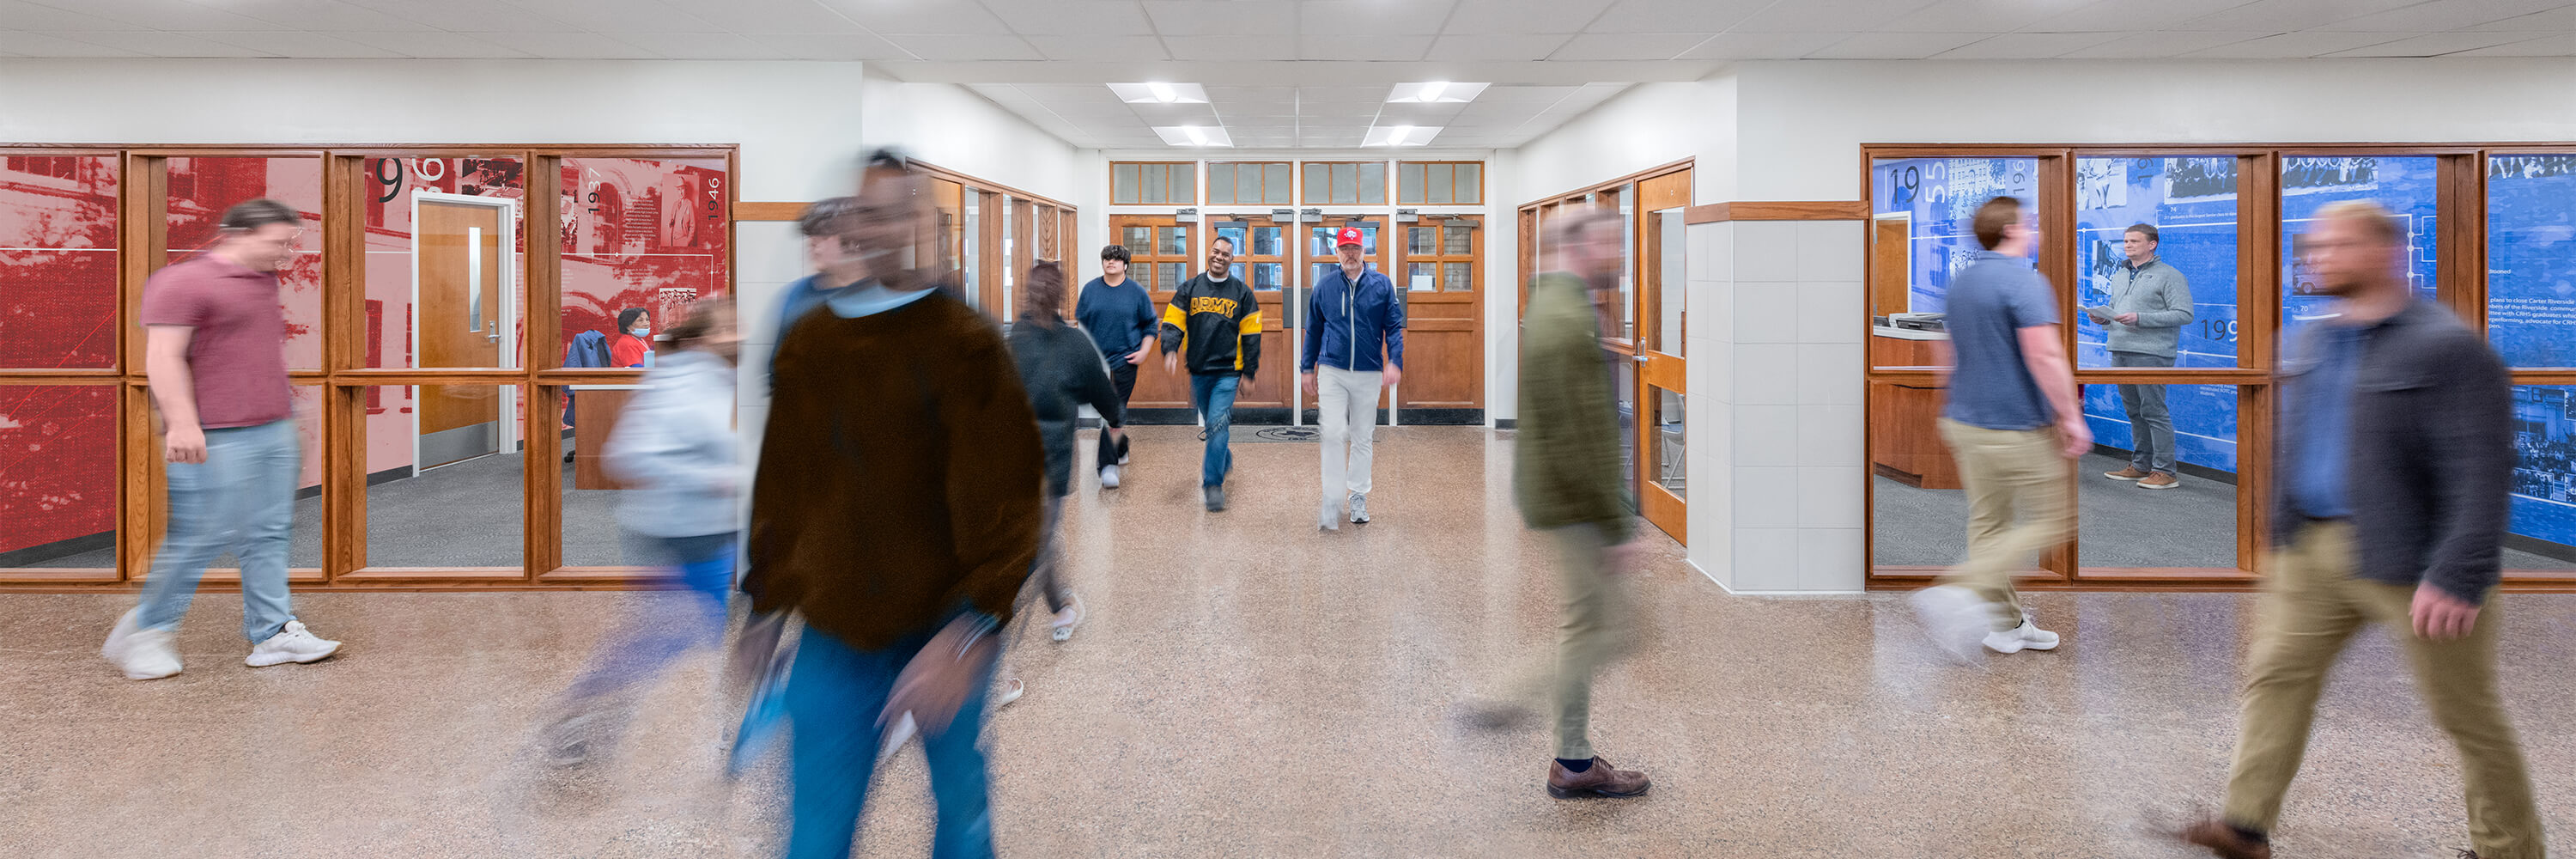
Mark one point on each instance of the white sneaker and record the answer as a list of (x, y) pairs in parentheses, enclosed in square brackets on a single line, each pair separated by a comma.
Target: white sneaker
[(2027, 636), (1359, 508), (292, 644), (1109, 477), (1062, 627), (143, 654), (1954, 617), (897, 735)]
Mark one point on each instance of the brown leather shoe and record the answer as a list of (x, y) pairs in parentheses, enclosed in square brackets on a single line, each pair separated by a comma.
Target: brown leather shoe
[(2126, 472), (1601, 780), (2224, 840), (2160, 480)]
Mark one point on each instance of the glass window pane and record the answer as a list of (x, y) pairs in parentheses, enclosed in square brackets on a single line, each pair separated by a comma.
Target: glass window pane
[(58, 477), (1373, 183), (1922, 236), (1346, 183), (1176, 242), (2178, 286), (1266, 241), (445, 470), (1470, 185), (1154, 190), (1457, 277), (1269, 275), (1319, 179), (1247, 183), (2120, 524), (1459, 240), (1421, 240), (200, 190), (2531, 259), (1185, 184), (2407, 186), (1173, 275), (1672, 282), (1122, 179), (1137, 239), (1440, 183), (58, 283), (2543, 534), (1668, 438), (1408, 182), (639, 234), (441, 278), (1420, 276), (1275, 188), (1220, 183)]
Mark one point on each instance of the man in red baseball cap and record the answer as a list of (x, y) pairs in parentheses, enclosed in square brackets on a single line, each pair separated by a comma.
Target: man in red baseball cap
[(1354, 346)]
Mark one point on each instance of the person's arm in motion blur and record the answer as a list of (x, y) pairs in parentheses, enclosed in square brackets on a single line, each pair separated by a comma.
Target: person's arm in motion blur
[(1394, 333), (1093, 388), (661, 442), (1311, 344), (1250, 328), (174, 386), (1146, 335), (2046, 358), (2470, 445), (1174, 334), (1576, 415)]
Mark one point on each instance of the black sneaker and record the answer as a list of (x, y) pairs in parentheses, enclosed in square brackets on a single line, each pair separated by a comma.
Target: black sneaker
[(1215, 498)]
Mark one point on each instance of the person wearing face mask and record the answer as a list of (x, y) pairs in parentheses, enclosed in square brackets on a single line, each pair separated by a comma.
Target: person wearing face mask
[(214, 350), (1213, 326), (632, 347)]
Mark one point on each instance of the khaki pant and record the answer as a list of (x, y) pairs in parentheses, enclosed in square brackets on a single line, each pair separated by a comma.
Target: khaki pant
[(2007, 471), (2313, 603), (1593, 627)]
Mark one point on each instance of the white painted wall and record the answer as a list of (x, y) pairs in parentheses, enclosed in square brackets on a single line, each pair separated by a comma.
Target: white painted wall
[(1648, 125), (1800, 124)]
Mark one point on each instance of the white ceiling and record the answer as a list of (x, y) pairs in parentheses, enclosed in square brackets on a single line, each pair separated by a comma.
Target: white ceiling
[(1291, 73)]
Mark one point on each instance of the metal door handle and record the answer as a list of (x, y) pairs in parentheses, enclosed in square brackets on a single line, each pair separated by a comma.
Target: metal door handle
[(1640, 359)]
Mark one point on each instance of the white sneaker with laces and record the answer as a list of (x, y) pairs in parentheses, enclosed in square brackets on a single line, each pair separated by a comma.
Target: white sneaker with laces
[(143, 654), (1954, 617), (1359, 508), (1062, 627), (2027, 636), (292, 644), (1109, 477)]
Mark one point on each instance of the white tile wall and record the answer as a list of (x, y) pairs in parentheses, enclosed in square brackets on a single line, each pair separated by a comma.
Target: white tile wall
[(1829, 496), (1766, 311), (1829, 311), (1829, 559), (1766, 436), (1829, 250), (1830, 435), (1766, 559), (1766, 250), (1766, 497), (770, 252), (1829, 374), (1766, 374)]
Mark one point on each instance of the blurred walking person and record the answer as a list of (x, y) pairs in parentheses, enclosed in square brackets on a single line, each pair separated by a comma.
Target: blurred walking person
[(1119, 315), (896, 508), (1213, 326), (676, 453), (1354, 349), (1061, 369), (1567, 481), (215, 352), (2394, 456), (2011, 421)]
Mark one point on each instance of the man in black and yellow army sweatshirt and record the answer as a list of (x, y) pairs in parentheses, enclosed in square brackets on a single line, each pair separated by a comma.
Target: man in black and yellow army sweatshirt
[(1214, 325)]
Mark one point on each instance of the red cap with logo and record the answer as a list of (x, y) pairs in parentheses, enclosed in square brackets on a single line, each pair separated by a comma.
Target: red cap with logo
[(1349, 236)]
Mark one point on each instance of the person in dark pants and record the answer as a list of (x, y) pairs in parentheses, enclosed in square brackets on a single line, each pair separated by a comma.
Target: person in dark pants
[(2150, 303), (1062, 371), (1119, 315), (1216, 321), (896, 508), (2394, 460)]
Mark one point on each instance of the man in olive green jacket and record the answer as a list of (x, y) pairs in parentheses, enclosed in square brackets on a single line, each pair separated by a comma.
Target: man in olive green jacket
[(1566, 476)]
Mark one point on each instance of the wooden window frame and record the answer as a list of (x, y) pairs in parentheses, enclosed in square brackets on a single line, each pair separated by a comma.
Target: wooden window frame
[(1170, 168), (1452, 167), (1208, 190)]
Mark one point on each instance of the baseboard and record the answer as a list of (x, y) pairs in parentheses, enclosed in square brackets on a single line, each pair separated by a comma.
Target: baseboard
[(2516, 542), (1507, 423), (1712, 578), (37, 555), (1442, 417)]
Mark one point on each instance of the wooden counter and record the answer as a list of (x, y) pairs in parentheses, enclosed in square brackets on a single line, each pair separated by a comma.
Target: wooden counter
[(594, 416), (1904, 435)]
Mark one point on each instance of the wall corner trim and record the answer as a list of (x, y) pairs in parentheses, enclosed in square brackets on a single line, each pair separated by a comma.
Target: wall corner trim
[(1763, 210), (1712, 578), (750, 211)]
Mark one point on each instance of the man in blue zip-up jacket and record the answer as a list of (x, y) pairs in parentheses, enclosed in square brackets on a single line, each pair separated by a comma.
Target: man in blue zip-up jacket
[(1354, 346)]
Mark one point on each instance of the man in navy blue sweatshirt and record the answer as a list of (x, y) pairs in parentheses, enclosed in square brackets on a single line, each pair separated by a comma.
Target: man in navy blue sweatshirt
[(1119, 315), (1354, 347)]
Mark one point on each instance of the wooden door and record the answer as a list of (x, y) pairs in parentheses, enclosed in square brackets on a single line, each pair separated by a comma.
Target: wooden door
[(1439, 278), (1887, 266), (1261, 259), (459, 257), (1322, 256), (1657, 308), (1161, 253)]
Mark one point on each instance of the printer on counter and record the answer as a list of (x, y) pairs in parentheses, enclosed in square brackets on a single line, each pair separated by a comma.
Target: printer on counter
[(1913, 321)]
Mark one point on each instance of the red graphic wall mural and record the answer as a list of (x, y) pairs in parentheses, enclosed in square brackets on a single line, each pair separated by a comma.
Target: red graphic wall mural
[(57, 471), (58, 293), (394, 186), (640, 233)]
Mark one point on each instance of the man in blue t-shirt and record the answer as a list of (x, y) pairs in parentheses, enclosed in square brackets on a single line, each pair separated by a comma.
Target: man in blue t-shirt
[(2011, 421), (836, 267), (1119, 315)]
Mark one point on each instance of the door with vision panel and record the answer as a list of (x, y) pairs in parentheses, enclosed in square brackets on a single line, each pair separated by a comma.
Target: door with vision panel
[(460, 282), (1261, 259), (1160, 248), (1438, 280)]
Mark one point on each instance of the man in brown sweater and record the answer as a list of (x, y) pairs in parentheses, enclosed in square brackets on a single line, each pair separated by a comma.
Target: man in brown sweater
[(896, 509)]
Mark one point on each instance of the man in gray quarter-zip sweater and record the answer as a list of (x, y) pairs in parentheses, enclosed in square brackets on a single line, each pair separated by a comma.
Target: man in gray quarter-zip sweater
[(2150, 303)]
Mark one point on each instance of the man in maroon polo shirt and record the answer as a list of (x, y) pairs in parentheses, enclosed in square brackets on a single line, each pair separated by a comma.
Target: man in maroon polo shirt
[(214, 350)]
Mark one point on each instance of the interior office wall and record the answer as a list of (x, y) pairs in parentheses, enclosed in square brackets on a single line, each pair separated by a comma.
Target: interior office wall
[(1800, 124)]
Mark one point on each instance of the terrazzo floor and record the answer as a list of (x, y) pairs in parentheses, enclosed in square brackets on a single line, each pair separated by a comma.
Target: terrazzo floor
[(1249, 687)]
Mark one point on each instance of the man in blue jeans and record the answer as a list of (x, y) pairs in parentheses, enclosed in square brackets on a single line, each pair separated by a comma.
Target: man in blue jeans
[(1213, 327), (214, 350)]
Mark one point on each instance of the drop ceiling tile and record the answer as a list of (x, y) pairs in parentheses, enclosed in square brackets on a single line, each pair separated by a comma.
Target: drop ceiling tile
[(1628, 46), (24, 16), (1099, 47), (1760, 46), (1072, 93), (1072, 17), (152, 43), (1665, 16), (960, 47), (165, 15), (1524, 16), (696, 46), (1273, 45), (1217, 18), (1827, 16), (2441, 15), (50, 45), (2132, 16), (2560, 20), (606, 16), (2287, 16), (2434, 45), (1978, 16), (2025, 46), (1894, 46), (1378, 17), (330, 15), (568, 46), (768, 16), (1362, 48), (297, 43), (828, 46), (1514, 47), (435, 44), (1341, 95), (917, 16), (1522, 94), (2554, 45), (2154, 46), (2294, 45)]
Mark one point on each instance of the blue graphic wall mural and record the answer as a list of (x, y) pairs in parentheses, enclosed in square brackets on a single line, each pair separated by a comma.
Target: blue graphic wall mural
[(1941, 195)]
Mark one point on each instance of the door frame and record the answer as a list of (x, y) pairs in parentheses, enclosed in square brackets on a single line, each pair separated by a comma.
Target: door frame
[(508, 319)]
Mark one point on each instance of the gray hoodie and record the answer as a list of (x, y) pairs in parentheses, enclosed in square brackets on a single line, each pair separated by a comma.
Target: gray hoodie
[(2161, 298), (676, 450)]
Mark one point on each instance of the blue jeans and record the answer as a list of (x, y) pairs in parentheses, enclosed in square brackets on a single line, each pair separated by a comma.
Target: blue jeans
[(705, 567), (834, 695), (241, 498), (1213, 395)]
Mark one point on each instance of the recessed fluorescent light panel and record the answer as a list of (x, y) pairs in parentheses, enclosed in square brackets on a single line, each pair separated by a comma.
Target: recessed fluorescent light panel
[(1159, 92), (1194, 135), (1435, 92), (1401, 135)]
